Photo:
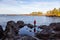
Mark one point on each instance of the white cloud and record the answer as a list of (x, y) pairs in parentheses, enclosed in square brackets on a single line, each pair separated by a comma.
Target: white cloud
[(13, 7)]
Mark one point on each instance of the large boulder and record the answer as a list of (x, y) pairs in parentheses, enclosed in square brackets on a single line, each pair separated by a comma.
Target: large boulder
[(57, 28), (43, 34), (10, 30), (20, 24), (10, 23)]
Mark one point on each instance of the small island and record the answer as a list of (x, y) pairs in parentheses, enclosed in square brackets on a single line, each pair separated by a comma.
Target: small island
[(36, 14)]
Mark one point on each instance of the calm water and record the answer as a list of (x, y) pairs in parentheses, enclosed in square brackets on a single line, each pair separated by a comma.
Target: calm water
[(41, 20)]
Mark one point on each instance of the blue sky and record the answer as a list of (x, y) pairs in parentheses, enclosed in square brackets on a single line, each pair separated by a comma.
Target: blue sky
[(27, 6)]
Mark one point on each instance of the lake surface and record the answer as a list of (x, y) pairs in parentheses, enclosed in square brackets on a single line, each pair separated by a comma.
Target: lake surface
[(41, 20)]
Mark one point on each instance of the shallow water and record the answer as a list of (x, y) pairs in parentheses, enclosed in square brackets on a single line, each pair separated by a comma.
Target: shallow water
[(41, 20)]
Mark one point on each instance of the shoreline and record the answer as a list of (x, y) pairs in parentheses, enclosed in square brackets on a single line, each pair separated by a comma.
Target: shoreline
[(50, 31)]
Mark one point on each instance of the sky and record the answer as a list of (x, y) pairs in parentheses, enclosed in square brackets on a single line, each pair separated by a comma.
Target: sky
[(27, 6)]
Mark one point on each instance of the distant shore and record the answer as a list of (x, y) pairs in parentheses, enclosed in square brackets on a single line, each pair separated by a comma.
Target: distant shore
[(27, 15), (53, 16)]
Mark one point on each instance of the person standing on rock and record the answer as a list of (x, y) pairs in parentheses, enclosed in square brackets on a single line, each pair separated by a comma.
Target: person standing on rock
[(34, 25)]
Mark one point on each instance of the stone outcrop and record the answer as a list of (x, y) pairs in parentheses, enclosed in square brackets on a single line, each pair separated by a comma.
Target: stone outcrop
[(49, 32), (30, 26)]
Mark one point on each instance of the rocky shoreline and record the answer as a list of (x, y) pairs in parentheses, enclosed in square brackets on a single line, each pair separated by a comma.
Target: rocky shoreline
[(51, 32)]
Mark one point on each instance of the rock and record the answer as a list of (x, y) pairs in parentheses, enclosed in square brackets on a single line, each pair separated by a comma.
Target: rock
[(10, 30), (1, 32), (57, 27), (56, 35), (42, 36), (20, 24), (27, 38), (30, 26), (52, 24), (42, 27), (45, 33), (10, 23)]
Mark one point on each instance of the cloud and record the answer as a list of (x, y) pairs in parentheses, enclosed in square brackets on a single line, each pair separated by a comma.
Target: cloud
[(38, 0), (23, 2), (25, 6)]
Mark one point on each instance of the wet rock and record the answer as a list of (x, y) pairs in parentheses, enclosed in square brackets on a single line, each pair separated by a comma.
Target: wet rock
[(57, 27), (20, 24), (45, 33), (57, 35), (42, 36), (30, 26), (10, 30), (27, 38), (10, 23), (52, 24), (42, 27)]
